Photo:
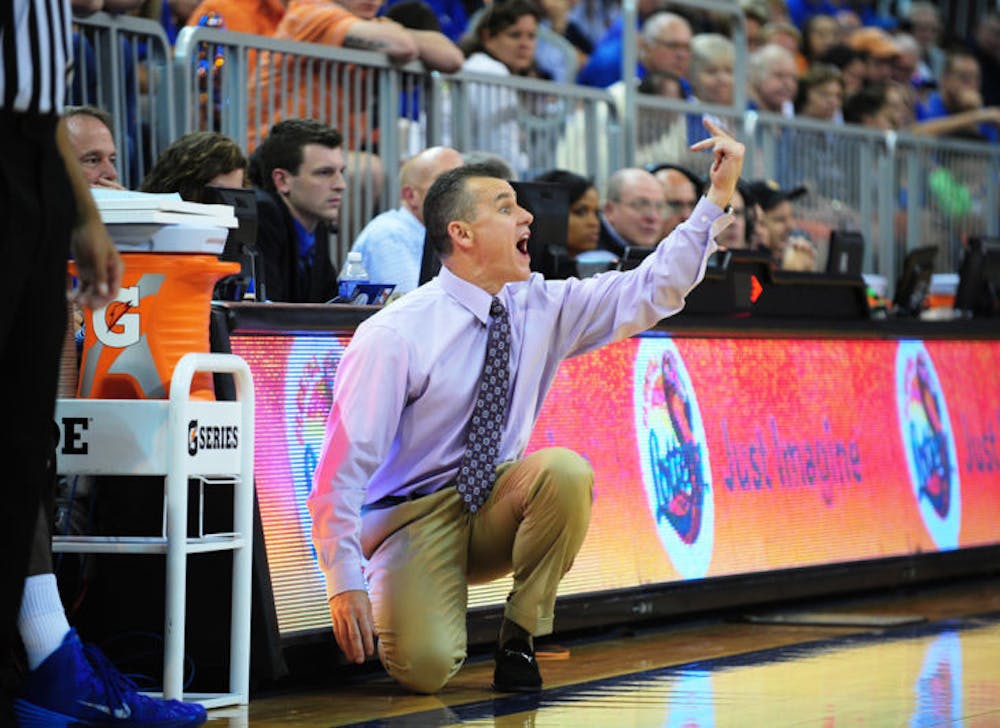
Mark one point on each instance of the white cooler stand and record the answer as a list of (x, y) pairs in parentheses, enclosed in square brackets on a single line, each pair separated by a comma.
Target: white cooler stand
[(164, 437)]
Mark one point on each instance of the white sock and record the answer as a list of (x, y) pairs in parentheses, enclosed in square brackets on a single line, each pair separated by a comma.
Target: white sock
[(42, 619)]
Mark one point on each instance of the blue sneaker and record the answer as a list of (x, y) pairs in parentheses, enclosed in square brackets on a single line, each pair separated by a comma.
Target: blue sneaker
[(78, 686)]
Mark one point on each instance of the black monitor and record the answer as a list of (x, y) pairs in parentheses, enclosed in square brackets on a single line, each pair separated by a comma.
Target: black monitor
[(915, 281), (549, 205), (847, 252), (634, 255), (978, 291), (719, 291), (241, 245)]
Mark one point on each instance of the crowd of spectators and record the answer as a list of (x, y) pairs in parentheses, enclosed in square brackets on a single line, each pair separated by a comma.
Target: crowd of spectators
[(834, 62), (910, 51)]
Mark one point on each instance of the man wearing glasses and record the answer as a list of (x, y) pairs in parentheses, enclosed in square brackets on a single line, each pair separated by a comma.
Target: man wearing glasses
[(681, 189), (633, 211)]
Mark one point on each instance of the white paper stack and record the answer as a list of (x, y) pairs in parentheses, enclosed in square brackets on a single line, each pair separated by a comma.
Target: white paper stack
[(143, 221)]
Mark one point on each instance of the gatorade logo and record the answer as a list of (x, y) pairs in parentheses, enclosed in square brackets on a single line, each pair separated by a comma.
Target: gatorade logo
[(929, 443), (673, 456), (212, 437), (117, 324)]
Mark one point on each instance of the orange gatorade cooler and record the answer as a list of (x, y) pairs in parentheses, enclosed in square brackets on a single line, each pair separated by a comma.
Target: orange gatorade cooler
[(161, 313)]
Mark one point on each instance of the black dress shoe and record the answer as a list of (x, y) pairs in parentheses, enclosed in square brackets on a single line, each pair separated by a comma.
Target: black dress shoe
[(516, 668)]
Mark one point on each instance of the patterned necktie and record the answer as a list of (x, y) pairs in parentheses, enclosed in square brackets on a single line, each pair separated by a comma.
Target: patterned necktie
[(475, 477)]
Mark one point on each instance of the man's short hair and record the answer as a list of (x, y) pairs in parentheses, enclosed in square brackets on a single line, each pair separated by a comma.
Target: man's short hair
[(95, 111), (762, 59), (619, 180), (282, 149), (494, 162), (450, 199)]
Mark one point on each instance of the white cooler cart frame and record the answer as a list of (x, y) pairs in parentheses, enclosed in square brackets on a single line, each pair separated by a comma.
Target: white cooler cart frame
[(157, 437)]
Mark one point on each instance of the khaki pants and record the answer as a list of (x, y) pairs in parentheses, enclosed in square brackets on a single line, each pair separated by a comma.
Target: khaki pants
[(424, 553)]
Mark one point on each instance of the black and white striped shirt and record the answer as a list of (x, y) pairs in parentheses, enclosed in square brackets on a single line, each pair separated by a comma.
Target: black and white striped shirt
[(36, 54)]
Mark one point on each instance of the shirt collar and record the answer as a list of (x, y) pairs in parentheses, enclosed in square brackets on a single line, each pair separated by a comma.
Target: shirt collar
[(469, 295), (410, 218), (615, 235), (306, 240)]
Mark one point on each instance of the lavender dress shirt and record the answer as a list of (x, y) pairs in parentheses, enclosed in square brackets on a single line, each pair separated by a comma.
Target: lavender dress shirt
[(406, 386)]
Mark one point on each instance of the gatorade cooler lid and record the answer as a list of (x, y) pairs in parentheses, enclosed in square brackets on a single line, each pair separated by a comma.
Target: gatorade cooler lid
[(146, 238)]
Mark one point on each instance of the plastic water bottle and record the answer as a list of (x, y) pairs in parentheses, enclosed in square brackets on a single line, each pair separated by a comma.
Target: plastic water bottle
[(353, 275)]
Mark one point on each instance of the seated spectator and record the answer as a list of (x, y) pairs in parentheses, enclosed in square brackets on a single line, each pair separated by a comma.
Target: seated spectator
[(956, 108), (789, 250), (392, 243), (299, 172), (772, 78), (664, 56), (869, 107), (820, 94), (681, 190), (786, 35), (906, 64), (633, 211), (711, 69), (197, 160), (348, 24), (664, 45), (502, 43), (878, 50), (93, 141), (258, 17), (583, 228), (851, 65), (923, 21), (819, 34)]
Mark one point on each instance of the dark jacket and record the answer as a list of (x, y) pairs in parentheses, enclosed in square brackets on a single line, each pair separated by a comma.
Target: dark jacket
[(279, 251), (609, 239)]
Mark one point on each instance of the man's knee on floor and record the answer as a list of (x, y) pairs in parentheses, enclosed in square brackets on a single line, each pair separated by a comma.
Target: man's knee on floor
[(422, 668)]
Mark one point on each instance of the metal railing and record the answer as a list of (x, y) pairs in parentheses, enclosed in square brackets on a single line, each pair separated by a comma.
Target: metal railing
[(901, 191), (122, 66)]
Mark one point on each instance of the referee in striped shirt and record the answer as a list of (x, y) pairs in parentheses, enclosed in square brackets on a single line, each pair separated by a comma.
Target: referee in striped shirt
[(46, 211)]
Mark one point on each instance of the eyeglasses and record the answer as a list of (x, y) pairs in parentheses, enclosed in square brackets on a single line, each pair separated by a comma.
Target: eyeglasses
[(672, 45), (644, 206)]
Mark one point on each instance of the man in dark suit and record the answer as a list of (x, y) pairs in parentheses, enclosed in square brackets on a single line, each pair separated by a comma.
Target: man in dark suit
[(298, 171)]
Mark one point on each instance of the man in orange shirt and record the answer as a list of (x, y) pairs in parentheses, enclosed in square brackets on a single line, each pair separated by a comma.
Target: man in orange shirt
[(260, 17), (348, 24)]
